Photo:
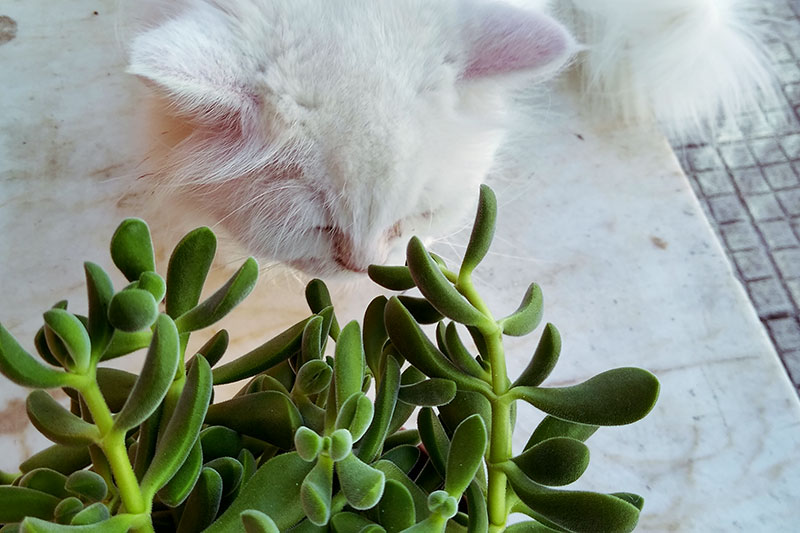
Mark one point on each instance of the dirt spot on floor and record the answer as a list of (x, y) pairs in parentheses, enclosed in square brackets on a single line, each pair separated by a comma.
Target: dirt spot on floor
[(13, 419), (658, 242), (8, 29)]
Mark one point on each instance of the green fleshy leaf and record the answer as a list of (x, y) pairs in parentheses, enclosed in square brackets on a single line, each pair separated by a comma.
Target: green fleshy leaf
[(415, 346), (45, 480), (480, 344), (316, 491), (313, 377), (56, 349), (392, 471), (249, 465), (615, 397), (430, 392), (266, 382), (43, 349), (544, 359), (156, 377), (87, 484), (422, 311), (74, 337), (372, 528), (306, 526), (437, 289), (434, 438), (123, 343), (396, 508), (555, 462), (355, 414), (530, 527), (459, 354), (478, 514), (313, 416), (283, 474), (341, 444), (361, 484), (219, 441), (180, 486), (132, 310), (284, 374), (318, 299), (91, 514), (400, 416), (147, 442), (385, 401), (555, 427), (187, 271), (394, 278), (203, 503), (257, 522), (633, 499), (221, 302), (182, 429), (404, 456), (120, 523), (231, 472), (482, 231), (152, 283), (311, 345), (464, 405), (132, 248), (115, 386), (347, 522), (527, 316), (269, 416), (348, 363), (443, 504), (57, 423), (215, 347), (307, 443), (64, 459), (433, 524), (264, 357), (328, 323), (18, 502), (66, 509), (99, 291), (374, 334), (577, 511), (465, 456)]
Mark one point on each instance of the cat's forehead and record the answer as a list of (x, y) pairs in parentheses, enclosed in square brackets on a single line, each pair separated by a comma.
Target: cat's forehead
[(329, 53)]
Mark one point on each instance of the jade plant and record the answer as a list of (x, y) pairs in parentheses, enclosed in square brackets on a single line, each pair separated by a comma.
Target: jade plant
[(320, 436)]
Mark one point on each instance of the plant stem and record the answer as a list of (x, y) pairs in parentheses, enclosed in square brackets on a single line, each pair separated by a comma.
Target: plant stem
[(500, 433), (113, 445)]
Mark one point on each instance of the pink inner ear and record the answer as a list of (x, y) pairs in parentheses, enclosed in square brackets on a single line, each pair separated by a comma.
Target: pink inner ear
[(505, 40)]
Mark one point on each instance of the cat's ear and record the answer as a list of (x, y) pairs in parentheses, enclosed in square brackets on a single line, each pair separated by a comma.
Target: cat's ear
[(505, 41), (195, 61)]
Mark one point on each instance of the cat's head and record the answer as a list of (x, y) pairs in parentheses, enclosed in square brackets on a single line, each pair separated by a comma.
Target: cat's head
[(327, 132)]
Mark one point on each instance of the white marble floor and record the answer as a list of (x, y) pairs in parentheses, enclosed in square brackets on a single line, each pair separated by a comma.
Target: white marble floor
[(603, 220)]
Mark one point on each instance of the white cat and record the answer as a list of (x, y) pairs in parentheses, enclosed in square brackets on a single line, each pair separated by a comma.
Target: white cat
[(325, 132)]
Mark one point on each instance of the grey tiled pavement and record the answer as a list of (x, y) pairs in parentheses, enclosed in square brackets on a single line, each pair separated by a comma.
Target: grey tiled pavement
[(747, 177)]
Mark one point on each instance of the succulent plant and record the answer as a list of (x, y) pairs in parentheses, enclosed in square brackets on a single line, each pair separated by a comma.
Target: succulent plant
[(312, 442)]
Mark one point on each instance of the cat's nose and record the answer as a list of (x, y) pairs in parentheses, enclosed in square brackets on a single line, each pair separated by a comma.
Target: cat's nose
[(347, 254)]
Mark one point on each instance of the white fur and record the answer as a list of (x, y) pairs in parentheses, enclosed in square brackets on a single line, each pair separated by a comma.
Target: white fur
[(684, 63), (325, 132)]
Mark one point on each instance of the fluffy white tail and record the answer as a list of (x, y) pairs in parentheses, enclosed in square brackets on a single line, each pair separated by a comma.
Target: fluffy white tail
[(683, 63)]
